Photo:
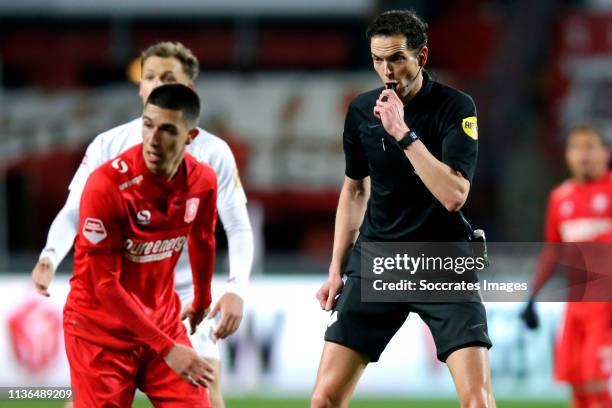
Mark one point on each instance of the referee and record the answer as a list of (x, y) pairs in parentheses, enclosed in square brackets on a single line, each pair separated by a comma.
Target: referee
[(410, 158)]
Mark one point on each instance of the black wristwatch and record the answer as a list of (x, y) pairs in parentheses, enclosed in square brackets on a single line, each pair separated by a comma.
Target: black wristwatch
[(409, 138)]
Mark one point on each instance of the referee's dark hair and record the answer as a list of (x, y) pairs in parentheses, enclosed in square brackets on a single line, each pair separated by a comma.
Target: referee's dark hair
[(400, 22), (177, 97)]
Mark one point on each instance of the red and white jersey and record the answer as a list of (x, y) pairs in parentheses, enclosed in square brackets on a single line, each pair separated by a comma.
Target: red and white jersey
[(580, 212), (133, 226), (206, 148)]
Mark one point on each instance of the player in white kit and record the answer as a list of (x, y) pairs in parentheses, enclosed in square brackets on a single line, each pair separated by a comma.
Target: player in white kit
[(169, 63)]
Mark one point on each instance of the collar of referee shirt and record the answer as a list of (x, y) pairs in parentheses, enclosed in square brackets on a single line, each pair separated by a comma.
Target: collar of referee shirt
[(423, 92)]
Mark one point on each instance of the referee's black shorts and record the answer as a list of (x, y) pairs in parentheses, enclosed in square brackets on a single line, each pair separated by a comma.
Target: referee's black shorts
[(367, 327)]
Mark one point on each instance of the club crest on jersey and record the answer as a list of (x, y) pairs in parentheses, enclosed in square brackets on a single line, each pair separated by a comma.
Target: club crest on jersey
[(191, 209), (120, 165), (600, 203), (93, 230), (567, 208), (143, 217), (470, 127)]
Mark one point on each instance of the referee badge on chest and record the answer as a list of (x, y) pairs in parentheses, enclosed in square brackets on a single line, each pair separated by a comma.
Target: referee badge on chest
[(191, 209)]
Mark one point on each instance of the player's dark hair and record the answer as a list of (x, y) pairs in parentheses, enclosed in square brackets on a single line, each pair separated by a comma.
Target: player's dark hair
[(168, 49), (587, 127), (177, 97), (400, 22)]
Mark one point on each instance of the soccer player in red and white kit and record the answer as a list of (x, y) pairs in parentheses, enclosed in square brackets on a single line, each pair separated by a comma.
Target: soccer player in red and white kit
[(580, 211), (121, 320), (163, 63)]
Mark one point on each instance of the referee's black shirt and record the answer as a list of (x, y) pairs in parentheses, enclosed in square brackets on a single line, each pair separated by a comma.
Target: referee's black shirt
[(401, 208)]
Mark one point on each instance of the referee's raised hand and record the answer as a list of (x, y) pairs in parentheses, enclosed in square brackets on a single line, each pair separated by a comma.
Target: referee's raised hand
[(390, 110), (329, 290)]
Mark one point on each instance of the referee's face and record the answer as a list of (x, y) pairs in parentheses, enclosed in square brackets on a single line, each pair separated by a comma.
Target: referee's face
[(394, 62), (586, 155)]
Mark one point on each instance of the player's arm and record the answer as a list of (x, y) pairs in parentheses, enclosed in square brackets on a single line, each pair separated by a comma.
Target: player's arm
[(549, 258), (106, 272), (547, 263), (202, 253), (230, 305), (447, 179), (232, 210), (63, 229), (59, 241), (237, 226), (352, 205)]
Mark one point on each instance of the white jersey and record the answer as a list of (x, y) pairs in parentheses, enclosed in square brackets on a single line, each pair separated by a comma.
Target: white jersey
[(206, 148)]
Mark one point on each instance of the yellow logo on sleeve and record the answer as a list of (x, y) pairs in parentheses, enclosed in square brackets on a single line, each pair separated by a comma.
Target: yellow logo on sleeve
[(470, 127)]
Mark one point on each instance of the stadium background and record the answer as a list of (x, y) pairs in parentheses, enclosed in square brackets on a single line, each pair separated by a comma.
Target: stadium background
[(276, 80)]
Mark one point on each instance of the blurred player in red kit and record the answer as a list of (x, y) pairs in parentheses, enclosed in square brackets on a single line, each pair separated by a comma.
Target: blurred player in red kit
[(580, 211), (121, 319)]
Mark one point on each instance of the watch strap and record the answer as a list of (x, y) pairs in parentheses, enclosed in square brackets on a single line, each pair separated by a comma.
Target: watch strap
[(409, 138)]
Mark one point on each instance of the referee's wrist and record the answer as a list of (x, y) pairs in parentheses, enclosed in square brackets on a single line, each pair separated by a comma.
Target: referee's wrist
[(335, 271), (400, 133), (407, 140), (337, 260)]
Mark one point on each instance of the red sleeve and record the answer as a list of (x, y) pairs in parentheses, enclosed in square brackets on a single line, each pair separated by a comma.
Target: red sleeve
[(202, 247), (551, 228), (100, 225), (549, 257)]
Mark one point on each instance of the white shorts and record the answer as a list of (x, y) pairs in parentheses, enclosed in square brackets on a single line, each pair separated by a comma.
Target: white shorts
[(203, 341)]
